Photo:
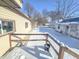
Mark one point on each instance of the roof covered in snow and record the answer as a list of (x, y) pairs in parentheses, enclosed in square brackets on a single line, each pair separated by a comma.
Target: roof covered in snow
[(71, 20)]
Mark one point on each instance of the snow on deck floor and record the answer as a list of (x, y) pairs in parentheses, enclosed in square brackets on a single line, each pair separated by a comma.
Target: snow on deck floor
[(36, 48), (35, 52)]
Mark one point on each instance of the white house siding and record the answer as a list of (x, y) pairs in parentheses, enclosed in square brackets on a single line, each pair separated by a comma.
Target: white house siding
[(19, 27), (78, 31), (19, 20), (73, 29)]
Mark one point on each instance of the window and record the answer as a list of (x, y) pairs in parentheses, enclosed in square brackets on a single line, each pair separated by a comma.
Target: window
[(58, 26), (67, 27), (6, 26), (26, 24), (0, 28), (74, 28)]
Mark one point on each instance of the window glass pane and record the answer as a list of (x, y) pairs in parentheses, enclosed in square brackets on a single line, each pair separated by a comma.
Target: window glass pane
[(4, 26), (7, 26), (0, 28), (10, 26)]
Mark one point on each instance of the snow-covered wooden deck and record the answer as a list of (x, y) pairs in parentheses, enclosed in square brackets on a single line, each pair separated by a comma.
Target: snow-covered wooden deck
[(29, 52), (35, 49)]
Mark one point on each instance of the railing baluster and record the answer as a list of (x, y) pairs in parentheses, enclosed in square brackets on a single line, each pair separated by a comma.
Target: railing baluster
[(46, 38), (61, 53)]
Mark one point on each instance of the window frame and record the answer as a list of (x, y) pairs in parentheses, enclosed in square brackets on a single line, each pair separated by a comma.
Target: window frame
[(14, 29)]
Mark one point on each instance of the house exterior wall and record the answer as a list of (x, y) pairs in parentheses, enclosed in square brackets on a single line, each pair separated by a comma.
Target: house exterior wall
[(19, 20), (4, 44), (19, 27), (71, 29)]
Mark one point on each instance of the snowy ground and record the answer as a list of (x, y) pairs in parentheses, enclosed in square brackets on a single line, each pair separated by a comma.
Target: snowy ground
[(33, 50), (63, 39)]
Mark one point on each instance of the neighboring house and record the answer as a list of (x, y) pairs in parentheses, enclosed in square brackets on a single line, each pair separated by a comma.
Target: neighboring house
[(69, 27), (11, 21)]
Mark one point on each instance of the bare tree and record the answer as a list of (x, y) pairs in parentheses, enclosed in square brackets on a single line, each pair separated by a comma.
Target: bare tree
[(29, 9), (67, 7), (39, 18)]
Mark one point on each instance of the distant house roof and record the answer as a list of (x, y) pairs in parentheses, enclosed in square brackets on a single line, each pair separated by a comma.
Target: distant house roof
[(71, 20)]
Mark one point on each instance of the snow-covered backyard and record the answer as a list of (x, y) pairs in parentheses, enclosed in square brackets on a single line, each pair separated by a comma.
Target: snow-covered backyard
[(63, 39)]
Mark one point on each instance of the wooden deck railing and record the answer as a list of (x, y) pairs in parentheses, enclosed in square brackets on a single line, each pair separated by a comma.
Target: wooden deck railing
[(62, 48)]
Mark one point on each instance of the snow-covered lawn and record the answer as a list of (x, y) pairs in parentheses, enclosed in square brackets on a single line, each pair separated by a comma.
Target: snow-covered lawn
[(63, 39)]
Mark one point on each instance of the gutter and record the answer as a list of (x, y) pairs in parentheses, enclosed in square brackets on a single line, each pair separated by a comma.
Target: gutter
[(15, 3)]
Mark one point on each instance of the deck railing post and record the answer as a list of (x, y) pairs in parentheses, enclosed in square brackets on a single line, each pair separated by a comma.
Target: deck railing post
[(10, 40), (61, 53), (46, 38)]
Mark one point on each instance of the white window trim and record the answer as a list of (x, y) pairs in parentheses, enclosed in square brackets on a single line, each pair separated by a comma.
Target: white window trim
[(2, 32)]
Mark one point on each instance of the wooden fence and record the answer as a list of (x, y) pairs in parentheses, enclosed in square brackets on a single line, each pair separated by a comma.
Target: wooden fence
[(59, 51)]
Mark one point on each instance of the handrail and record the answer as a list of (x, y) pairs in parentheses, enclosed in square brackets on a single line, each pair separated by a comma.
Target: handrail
[(71, 52), (29, 34), (54, 40), (30, 40), (54, 49), (62, 49)]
